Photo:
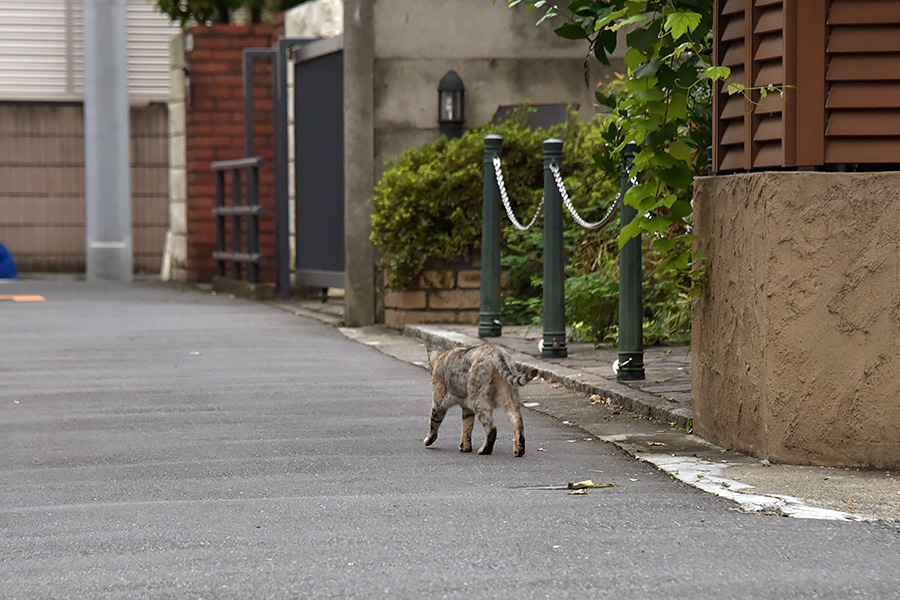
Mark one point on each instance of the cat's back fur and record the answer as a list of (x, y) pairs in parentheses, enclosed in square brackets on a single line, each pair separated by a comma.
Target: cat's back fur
[(478, 379)]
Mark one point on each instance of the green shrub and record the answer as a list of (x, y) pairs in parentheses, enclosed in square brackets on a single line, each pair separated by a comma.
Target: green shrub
[(427, 210)]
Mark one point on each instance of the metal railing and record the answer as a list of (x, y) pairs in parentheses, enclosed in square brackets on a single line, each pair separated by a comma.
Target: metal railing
[(240, 214)]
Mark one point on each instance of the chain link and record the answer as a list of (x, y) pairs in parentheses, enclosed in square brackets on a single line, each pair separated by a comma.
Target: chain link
[(562, 192), (503, 196)]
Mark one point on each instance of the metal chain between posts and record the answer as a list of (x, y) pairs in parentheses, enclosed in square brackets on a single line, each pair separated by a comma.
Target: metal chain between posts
[(505, 198), (562, 192)]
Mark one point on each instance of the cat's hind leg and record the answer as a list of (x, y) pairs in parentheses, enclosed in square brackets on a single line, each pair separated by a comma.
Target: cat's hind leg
[(468, 421), (511, 405), (479, 393), (487, 420)]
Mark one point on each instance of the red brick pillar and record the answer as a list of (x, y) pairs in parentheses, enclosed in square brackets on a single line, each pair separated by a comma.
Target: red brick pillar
[(214, 129)]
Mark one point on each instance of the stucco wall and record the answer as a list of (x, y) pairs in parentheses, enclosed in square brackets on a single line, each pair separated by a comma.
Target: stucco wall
[(796, 337)]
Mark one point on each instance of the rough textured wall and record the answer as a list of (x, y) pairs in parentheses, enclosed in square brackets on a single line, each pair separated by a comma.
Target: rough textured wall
[(42, 210), (797, 335)]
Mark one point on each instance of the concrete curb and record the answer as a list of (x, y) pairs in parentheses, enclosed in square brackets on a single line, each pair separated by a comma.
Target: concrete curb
[(635, 401)]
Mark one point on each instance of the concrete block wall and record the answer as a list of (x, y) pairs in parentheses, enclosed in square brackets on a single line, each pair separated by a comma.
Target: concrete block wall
[(448, 295), (214, 130), (42, 195)]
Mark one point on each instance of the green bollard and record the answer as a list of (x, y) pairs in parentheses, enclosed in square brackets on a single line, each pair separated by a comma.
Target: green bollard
[(489, 313), (631, 310), (554, 340)]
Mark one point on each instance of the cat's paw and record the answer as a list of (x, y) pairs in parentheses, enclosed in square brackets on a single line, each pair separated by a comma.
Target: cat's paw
[(430, 440)]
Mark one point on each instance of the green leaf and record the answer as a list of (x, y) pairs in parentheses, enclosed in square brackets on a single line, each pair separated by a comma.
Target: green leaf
[(656, 224), (717, 73), (736, 88), (571, 31), (681, 209), (647, 69), (682, 22), (664, 244), (649, 95), (551, 12), (631, 230), (680, 150), (633, 58), (677, 106), (606, 19), (638, 18), (608, 39), (679, 177), (643, 37)]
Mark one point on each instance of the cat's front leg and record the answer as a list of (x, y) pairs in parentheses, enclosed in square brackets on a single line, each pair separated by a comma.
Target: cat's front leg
[(438, 413)]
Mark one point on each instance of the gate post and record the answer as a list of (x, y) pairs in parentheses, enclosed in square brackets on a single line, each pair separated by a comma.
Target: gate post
[(489, 315), (554, 340), (631, 310)]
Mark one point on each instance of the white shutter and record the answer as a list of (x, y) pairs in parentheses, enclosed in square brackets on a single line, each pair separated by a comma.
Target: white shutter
[(34, 50), (42, 50), (149, 33)]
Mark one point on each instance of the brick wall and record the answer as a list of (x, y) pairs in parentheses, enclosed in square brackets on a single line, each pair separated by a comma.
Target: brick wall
[(214, 130), (450, 295)]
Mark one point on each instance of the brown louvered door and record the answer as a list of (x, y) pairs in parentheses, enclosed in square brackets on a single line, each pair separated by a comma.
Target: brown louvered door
[(863, 82)]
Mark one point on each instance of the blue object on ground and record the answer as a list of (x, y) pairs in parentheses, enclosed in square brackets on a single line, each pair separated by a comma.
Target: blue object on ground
[(7, 265)]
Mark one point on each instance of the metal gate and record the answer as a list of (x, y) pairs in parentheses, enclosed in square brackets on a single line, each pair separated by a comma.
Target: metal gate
[(319, 163)]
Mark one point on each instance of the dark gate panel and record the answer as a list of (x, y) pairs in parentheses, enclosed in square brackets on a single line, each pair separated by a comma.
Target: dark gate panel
[(319, 144)]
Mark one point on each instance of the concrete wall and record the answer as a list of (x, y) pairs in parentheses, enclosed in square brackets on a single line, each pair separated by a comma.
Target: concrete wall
[(396, 52), (174, 263), (796, 338)]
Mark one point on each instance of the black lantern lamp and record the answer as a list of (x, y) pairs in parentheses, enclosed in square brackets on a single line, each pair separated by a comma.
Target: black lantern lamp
[(451, 97)]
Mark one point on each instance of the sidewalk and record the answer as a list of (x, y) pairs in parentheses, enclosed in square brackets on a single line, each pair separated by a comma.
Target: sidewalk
[(650, 420)]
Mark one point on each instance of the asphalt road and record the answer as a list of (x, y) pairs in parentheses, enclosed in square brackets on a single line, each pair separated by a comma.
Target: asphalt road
[(166, 444)]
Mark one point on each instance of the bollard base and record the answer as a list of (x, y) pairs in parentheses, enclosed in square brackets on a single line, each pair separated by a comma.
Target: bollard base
[(489, 325), (553, 345), (631, 367)]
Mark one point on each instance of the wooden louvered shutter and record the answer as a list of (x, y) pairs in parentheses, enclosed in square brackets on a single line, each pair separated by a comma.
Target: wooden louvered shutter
[(863, 82), (839, 64), (730, 112)]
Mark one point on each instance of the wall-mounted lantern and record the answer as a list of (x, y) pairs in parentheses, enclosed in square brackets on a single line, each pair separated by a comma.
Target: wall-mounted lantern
[(451, 101)]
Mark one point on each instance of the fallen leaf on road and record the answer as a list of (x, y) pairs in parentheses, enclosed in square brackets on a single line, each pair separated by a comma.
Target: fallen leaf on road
[(587, 483), (655, 444)]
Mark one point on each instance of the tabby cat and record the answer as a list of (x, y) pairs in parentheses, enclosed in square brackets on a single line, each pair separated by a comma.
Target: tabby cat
[(478, 379)]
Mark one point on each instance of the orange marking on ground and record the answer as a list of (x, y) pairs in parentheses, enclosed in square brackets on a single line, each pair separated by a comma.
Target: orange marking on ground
[(23, 298)]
